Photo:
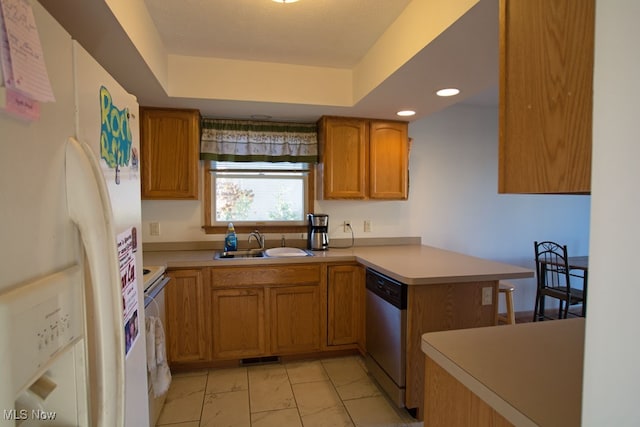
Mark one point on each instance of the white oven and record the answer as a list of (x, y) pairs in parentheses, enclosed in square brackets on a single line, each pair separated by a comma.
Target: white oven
[(154, 283)]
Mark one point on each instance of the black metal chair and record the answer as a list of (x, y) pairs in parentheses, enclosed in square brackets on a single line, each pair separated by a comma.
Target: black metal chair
[(554, 280)]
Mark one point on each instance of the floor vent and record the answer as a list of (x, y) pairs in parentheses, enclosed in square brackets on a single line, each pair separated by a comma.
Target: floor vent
[(259, 360)]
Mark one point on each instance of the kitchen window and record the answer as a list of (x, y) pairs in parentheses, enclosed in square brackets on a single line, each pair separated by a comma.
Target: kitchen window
[(257, 174), (273, 197)]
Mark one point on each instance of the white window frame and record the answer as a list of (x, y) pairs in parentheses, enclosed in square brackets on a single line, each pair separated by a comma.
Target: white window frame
[(212, 226)]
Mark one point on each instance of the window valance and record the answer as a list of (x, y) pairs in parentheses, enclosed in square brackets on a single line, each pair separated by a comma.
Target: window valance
[(258, 141)]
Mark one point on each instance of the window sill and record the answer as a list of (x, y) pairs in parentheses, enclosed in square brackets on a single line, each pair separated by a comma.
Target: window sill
[(265, 229)]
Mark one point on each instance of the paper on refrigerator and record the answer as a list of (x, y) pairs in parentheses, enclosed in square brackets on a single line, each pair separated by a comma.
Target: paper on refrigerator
[(126, 249), (21, 53)]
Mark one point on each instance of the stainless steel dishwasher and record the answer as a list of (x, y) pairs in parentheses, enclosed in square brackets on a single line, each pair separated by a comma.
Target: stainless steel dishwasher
[(386, 306)]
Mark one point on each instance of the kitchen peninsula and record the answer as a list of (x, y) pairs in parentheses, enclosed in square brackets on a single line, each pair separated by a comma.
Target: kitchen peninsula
[(444, 291), (525, 375)]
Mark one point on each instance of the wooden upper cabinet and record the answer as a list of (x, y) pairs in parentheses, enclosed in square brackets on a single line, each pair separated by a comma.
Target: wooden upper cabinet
[(546, 90), (363, 159), (170, 147), (388, 160), (344, 155)]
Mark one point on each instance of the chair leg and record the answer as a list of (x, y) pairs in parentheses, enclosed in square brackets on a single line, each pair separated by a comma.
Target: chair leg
[(536, 307), (511, 315), (560, 310)]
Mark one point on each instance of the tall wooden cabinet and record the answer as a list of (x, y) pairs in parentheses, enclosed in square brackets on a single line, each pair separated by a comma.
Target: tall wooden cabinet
[(170, 150), (363, 159), (546, 90), (187, 318)]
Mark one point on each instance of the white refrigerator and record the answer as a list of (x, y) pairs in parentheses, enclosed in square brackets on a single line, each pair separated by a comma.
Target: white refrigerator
[(72, 342)]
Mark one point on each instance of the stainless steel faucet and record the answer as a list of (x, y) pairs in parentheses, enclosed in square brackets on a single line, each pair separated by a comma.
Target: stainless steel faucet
[(258, 236)]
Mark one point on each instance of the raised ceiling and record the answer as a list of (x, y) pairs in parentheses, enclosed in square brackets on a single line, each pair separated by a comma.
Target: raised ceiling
[(325, 33), (238, 58)]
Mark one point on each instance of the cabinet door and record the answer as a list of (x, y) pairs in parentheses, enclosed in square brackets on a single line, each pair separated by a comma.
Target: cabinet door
[(295, 319), (238, 323), (169, 144), (388, 160), (546, 91), (345, 305), (187, 321), (344, 157)]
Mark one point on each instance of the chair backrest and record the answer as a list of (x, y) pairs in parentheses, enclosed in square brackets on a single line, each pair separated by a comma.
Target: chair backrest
[(552, 268)]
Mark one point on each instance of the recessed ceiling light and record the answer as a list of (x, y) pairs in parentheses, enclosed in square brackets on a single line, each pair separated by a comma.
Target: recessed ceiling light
[(406, 113), (448, 92), (285, 1)]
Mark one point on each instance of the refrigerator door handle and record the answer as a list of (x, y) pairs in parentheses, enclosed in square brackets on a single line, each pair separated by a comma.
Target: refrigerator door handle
[(89, 207)]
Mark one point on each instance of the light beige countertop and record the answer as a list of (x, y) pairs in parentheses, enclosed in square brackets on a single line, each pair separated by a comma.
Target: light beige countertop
[(530, 373), (410, 264)]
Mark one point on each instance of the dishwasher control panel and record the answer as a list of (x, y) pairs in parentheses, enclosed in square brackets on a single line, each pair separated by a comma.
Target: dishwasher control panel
[(387, 288)]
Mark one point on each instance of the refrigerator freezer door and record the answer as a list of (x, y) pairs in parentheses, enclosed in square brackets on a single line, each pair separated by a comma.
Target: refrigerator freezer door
[(90, 209), (42, 345)]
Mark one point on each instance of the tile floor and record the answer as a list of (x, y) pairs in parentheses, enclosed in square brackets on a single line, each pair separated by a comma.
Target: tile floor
[(330, 392)]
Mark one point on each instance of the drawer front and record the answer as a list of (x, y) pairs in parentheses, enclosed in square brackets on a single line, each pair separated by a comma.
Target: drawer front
[(225, 277)]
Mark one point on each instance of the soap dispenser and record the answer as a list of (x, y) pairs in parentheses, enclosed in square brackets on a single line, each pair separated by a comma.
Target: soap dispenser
[(230, 239)]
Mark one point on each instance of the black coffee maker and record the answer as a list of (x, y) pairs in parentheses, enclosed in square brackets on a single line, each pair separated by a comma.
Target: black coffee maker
[(318, 232)]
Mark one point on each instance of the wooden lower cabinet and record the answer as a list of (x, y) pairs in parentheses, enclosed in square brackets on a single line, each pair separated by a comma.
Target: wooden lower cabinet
[(441, 307), (238, 322), (448, 403), (345, 308), (266, 310), (295, 319), (227, 313), (188, 333)]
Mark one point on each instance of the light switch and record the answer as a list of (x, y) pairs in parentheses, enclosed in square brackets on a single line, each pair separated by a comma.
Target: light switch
[(487, 296), (154, 228)]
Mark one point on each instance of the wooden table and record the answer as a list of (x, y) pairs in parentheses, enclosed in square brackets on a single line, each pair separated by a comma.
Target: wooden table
[(579, 263)]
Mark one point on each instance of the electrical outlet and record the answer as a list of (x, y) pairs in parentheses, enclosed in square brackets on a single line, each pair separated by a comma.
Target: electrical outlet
[(154, 228), (346, 226), (367, 226), (487, 296)]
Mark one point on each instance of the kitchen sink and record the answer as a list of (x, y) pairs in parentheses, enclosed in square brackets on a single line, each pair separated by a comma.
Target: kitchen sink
[(263, 253), (286, 252), (248, 254)]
